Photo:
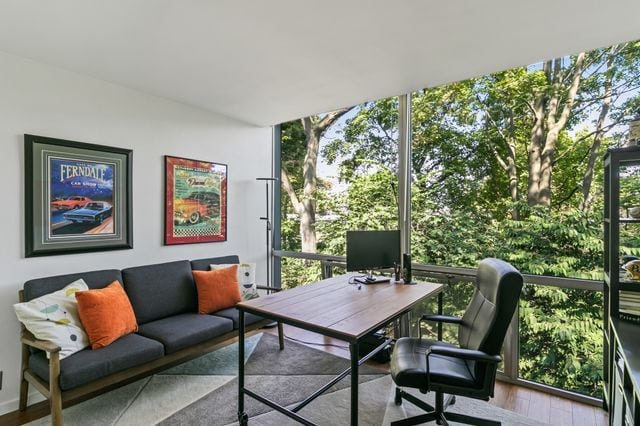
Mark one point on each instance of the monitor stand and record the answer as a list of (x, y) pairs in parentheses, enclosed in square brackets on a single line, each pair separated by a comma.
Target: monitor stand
[(372, 279)]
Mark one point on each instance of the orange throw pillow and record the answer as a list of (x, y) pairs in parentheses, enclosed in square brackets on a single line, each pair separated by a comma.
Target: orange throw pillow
[(106, 314), (217, 289)]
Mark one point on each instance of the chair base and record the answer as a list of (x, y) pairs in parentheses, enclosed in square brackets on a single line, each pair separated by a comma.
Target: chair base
[(437, 413)]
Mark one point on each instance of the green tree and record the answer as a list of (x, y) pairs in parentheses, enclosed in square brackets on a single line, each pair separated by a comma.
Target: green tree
[(303, 201)]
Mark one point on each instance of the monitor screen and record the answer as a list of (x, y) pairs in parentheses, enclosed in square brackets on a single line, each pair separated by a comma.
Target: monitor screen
[(367, 250)]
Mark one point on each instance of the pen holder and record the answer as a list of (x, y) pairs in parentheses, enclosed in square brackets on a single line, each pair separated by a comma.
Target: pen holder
[(396, 271)]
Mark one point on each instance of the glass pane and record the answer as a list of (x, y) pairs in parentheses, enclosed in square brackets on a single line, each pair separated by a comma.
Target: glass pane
[(498, 171), (561, 338), (339, 173)]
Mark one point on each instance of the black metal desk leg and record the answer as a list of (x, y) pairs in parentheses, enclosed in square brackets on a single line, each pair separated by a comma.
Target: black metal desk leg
[(243, 419), (353, 347)]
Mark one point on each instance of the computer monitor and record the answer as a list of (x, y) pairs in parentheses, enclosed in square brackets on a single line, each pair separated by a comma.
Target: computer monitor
[(369, 250)]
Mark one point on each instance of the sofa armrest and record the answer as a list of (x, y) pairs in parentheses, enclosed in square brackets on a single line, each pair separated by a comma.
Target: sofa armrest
[(29, 339)]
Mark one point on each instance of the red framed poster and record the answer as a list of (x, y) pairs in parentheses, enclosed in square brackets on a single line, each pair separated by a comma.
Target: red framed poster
[(195, 201)]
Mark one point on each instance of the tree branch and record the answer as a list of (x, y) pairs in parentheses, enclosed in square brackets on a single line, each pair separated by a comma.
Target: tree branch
[(573, 90), (490, 119), (288, 188), (331, 118)]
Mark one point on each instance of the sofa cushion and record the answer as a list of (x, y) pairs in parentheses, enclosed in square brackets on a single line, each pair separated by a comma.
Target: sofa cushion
[(54, 318), (204, 264), (217, 289), (95, 279), (246, 278), (161, 290), (106, 314), (89, 365), (180, 331), (234, 315)]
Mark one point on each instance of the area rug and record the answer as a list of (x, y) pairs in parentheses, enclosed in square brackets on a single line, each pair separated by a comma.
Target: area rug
[(204, 391)]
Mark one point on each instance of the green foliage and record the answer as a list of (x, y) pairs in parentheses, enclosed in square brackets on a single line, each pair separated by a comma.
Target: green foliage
[(297, 272), (561, 330)]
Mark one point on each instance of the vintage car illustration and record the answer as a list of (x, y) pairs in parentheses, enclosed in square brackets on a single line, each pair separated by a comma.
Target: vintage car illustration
[(95, 212), (69, 203), (196, 206)]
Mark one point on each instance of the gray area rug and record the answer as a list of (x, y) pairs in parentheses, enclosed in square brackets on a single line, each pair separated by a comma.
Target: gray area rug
[(204, 391)]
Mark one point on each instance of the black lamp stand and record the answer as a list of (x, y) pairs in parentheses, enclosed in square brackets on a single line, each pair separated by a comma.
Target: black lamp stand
[(267, 219)]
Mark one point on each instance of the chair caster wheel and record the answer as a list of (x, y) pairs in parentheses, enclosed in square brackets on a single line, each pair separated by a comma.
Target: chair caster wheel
[(398, 398), (243, 419)]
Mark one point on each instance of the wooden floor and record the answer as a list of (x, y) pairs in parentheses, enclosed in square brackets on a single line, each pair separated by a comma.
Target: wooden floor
[(527, 402)]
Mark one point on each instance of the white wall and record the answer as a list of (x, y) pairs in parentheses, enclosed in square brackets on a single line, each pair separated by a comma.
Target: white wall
[(47, 101)]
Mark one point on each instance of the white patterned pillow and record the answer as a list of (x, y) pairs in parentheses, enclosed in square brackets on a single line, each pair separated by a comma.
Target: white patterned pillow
[(246, 278), (54, 317)]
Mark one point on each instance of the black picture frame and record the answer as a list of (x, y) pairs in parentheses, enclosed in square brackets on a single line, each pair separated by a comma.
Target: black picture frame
[(78, 197)]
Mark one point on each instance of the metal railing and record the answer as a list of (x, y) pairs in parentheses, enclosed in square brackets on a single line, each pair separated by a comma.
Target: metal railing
[(510, 372)]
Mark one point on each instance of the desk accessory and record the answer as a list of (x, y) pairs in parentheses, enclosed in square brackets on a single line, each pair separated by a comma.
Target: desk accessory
[(406, 268), (396, 271)]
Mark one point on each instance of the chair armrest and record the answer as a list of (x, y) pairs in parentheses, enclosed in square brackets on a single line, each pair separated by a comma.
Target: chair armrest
[(266, 287), (442, 318), (29, 339), (468, 354)]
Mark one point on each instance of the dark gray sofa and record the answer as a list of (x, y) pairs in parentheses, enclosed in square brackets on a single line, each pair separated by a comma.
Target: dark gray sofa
[(164, 300)]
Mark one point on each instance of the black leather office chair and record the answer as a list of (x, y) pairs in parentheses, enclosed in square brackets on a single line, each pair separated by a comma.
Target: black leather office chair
[(470, 368)]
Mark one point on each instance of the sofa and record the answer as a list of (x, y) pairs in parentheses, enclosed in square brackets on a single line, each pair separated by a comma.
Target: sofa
[(170, 331)]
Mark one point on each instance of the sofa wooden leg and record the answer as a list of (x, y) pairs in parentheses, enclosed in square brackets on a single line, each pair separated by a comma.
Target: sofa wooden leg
[(281, 335), (24, 385), (24, 394), (55, 395)]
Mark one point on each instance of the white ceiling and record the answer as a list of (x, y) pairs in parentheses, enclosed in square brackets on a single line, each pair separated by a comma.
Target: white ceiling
[(268, 61)]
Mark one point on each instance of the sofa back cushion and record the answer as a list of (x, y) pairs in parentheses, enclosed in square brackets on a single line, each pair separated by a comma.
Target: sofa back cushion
[(204, 264), (94, 279), (161, 290)]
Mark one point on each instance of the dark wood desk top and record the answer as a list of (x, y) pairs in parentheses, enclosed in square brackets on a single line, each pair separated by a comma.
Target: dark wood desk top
[(335, 308)]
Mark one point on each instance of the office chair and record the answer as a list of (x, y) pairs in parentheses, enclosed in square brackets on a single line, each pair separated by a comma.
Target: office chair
[(470, 368)]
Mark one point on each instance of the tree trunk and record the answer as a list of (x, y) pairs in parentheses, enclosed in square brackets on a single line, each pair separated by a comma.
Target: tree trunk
[(534, 150), (594, 151), (512, 169), (309, 173), (543, 146), (305, 206)]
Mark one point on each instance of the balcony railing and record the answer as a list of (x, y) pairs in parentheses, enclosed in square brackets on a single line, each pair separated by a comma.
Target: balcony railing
[(458, 280)]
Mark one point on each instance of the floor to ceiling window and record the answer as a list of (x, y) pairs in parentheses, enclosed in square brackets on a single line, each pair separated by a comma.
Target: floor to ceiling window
[(504, 165)]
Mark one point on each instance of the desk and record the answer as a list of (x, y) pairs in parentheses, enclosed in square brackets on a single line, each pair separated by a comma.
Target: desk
[(334, 308)]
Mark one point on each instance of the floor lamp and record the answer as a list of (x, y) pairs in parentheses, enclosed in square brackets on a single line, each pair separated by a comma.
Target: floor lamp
[(267, 219)]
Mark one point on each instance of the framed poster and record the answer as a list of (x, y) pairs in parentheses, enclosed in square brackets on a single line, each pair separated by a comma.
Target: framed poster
[(195, 201), (77, 197)]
